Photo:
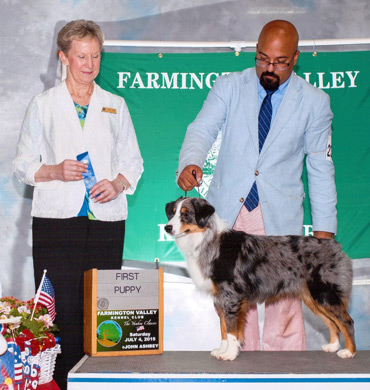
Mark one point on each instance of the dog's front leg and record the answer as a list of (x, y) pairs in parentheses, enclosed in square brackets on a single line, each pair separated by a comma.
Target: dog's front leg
[(230, 345), (223, 346)]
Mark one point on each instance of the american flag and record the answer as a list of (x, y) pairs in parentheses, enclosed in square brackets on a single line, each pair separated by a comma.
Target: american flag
[(18, 366), (47, 297)]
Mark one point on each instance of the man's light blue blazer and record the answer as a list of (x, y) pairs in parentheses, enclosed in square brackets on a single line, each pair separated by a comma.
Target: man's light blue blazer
[(301, 127)]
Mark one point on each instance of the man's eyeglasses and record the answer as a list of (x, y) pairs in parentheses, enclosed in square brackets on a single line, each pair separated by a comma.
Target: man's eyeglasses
[(277, 65)]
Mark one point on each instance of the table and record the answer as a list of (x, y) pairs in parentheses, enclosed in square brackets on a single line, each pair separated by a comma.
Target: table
[(182, 370)]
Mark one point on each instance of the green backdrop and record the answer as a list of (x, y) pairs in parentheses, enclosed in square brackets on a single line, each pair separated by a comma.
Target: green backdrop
[(165, 92)]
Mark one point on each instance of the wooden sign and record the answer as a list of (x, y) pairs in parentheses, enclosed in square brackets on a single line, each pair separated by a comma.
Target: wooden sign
[(123, 312)]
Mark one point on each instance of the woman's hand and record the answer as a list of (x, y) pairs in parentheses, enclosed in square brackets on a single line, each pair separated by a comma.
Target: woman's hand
[(67, 170), (105, 190)]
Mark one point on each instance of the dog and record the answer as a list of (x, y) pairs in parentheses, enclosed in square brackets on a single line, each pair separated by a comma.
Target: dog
[(239, 269)]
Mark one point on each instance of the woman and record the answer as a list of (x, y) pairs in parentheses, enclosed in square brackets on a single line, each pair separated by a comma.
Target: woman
[(77, 224)]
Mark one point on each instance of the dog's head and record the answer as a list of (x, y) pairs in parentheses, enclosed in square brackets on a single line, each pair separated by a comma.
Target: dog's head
[(187, 215)]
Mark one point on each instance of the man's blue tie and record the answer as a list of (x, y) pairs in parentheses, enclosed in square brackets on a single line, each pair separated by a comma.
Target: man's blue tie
[(264, 122)]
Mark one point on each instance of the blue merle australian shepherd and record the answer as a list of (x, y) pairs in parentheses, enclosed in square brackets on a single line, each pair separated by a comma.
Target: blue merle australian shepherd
[(239, 269)]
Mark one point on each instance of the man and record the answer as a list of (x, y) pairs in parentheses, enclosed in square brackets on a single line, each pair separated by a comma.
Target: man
[(269, 119)]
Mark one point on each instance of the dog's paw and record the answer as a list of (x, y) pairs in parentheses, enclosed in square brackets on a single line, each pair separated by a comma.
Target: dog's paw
[(332, 347), (217, 351), (228, 355), (345, 354), (231, 348)]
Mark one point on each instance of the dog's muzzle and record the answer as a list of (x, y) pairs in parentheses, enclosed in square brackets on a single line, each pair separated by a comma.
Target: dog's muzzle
[(169, 230)]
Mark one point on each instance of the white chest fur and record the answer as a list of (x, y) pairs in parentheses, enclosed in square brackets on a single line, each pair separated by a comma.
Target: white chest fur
[(187, 245), (201, 283)]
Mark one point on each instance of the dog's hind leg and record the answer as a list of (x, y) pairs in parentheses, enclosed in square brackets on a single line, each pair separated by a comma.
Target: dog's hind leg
[(335, 317), (340, 316), (334, 344)]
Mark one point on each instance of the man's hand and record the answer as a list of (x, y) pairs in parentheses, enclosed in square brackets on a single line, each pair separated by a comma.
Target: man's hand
[(320, 234), (187, 180)]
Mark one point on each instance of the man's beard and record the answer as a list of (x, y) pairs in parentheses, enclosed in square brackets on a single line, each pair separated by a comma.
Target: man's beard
[(270, 84)]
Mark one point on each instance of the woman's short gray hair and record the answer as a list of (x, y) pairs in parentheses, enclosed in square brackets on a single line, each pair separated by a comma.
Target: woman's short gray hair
[(79, 29)]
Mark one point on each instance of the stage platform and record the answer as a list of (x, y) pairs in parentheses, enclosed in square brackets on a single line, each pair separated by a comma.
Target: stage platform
[(258, 370)]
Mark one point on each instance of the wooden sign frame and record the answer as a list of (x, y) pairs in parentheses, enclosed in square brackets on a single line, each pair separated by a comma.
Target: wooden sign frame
[(91, 312)]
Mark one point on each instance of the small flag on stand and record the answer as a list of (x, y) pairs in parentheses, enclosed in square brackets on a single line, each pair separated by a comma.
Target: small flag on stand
[(46, 296), (35, 373), (26, 359), (18, 366)]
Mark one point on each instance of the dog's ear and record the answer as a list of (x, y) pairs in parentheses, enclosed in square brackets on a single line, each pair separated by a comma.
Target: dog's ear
[(169, 210), (203, 211)]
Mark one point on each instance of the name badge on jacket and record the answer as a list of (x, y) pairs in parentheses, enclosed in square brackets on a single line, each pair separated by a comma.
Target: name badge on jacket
[(109, 110)]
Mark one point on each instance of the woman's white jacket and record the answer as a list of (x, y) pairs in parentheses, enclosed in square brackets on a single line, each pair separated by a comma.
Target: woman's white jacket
[(51, 132)]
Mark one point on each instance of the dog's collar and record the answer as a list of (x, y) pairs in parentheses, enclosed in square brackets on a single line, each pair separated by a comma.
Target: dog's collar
[(182, 234), (189, 231)]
